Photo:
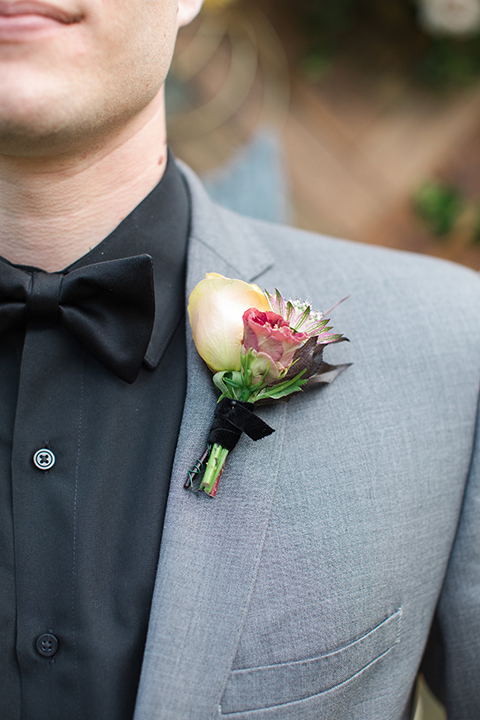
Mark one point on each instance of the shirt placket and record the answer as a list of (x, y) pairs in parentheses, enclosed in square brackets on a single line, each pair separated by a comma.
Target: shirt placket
[(44, 490)]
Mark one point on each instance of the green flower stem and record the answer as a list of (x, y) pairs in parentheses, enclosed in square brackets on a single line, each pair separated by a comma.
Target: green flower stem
[(246, 393), (214, 469)]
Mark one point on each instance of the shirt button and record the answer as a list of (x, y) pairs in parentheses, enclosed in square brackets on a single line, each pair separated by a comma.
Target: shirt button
[(44, 459), (47, 645)]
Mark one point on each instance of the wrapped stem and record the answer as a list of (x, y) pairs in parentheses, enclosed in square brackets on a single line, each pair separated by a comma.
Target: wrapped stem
[(214, 469), (232, 417)]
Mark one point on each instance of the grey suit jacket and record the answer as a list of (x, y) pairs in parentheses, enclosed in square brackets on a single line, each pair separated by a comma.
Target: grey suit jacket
[(307, 588)]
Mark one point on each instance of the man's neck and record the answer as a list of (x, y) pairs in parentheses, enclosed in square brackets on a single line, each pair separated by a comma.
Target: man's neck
[(53, 211)]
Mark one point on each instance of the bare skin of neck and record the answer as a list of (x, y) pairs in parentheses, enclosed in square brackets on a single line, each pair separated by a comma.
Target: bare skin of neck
[(53, 211)]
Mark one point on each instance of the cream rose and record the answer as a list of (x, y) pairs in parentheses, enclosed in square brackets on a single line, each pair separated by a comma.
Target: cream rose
[(215, 309)]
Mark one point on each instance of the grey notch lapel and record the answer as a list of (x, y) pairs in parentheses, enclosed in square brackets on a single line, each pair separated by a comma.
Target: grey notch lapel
[(211, 548)]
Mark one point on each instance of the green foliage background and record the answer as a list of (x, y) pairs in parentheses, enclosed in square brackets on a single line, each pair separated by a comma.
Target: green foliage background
[(385, 33)]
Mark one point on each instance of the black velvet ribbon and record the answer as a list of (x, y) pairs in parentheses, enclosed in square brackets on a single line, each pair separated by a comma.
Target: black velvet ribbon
[(231, 419), (108, 306)]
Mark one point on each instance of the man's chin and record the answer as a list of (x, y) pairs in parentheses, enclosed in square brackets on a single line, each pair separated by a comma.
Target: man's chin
[(61, 127), (16, 144), (20, 139), (32, 113), (22, 136), (47, 124)]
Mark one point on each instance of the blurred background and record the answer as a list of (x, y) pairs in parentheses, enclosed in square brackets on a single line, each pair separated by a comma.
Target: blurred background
[(355, 118)]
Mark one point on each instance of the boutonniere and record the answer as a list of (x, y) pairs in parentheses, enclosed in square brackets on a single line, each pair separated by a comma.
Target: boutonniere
[(261, 349)]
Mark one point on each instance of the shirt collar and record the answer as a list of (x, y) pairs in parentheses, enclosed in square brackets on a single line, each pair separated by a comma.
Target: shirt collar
[(158, 226)]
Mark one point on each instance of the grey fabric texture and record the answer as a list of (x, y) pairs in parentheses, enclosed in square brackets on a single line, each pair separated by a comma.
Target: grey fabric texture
[(307, 587)]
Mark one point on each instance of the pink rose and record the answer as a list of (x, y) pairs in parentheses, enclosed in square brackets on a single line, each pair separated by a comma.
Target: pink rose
[(272, 341)]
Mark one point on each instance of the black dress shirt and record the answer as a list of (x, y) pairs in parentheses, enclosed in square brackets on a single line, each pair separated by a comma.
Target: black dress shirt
[(79, 541)]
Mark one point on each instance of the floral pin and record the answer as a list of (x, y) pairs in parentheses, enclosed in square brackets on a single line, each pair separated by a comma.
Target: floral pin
[(261, 349)]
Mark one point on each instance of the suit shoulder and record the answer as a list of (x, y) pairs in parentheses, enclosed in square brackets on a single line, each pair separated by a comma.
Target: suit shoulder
[(363, 265)]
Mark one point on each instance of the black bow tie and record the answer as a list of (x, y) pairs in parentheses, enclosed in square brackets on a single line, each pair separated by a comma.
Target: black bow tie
[(108, 306)]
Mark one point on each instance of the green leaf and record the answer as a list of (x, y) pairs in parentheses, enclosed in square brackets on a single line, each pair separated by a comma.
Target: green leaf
[(218, 381), (234, 383), (292, 381), (275, 392), (237, 378), (278, 394), (231, 383)]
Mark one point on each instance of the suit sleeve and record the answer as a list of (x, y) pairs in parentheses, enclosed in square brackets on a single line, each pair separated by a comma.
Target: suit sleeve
[(458, 611)]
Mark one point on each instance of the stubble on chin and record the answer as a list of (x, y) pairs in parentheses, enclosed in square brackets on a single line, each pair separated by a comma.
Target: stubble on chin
[(34, 116), (52, 125)]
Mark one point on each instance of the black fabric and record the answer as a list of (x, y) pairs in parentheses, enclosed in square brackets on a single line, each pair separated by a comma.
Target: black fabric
[(433, 661), (79, 543), (231, 419), (108, 306)]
